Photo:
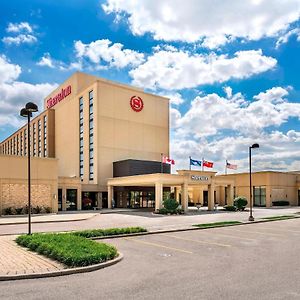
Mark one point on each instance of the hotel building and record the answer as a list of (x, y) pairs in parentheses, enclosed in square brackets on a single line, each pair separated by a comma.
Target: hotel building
[(98, 144)]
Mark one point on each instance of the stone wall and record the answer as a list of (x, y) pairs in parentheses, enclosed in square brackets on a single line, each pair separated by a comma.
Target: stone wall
[(16, 195)]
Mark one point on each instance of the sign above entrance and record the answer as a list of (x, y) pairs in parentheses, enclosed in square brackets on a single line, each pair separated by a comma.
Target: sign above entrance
[(199, 178), (60, 96), (136, 103)]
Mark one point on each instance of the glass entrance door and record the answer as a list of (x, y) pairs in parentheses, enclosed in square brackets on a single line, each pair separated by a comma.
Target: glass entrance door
[(71, 201), (59, 199)]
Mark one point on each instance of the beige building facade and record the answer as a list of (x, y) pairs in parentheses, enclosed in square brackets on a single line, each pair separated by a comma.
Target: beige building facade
[(99, 144)]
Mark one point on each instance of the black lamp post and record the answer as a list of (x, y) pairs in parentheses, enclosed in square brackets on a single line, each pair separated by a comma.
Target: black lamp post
[(251, 218), (27, 113)]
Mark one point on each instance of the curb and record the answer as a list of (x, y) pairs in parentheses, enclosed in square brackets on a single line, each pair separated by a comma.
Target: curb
[(185, 229), (64, 271), (40, 222)]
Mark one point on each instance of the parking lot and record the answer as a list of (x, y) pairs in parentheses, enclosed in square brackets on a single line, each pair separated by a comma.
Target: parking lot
[(257, 261)]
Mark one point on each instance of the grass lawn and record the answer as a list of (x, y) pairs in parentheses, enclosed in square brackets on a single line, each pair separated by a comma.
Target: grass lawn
[(67, 248), (217, 224), (283, 217), (108, 232)]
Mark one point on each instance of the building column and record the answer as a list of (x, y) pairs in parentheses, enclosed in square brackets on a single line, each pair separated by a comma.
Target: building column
[(184, 196), (64, 199), (79, 199), (211, 201), (99, 200), (176, 194), (110, 195), (158, 195), (230, 195)]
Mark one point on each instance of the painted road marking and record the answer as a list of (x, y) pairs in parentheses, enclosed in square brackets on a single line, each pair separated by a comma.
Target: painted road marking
[(269, 228), (235, 237), (158, 245), (257, 232), (196, 241)]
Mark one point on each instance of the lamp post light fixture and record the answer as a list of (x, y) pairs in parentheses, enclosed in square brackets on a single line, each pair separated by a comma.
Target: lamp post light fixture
[(251, 218), (26, 112)]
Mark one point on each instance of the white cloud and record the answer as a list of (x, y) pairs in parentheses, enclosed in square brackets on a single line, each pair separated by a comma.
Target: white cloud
[(180, 69), (284, 39), (213, 113), (105, 53), (8, 71), (46, 60), (19, 27), (213, 22), (199, 132), (22, 34), (175, 98), (14, 94), (20, 39)]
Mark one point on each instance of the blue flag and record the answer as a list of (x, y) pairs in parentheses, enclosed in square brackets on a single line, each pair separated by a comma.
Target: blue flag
[(194, 162)]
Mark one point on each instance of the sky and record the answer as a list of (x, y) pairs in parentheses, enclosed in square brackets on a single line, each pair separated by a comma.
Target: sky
[(230, 68)]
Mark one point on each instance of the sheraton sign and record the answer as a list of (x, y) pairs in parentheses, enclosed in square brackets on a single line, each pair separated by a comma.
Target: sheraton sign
[(59, 97)]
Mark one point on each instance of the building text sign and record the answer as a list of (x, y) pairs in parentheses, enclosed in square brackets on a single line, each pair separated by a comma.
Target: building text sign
[(59, 97), (199, 178)]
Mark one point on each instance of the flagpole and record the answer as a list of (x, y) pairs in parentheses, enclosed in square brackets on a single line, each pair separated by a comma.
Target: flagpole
[(161, 163), (226, 167), (190, 163), (202, 164)]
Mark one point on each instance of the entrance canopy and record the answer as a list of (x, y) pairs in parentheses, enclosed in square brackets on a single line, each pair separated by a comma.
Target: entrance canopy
[(182, 180)]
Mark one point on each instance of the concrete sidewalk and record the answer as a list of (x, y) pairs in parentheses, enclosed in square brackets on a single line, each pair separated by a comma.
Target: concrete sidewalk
[(47, 218)]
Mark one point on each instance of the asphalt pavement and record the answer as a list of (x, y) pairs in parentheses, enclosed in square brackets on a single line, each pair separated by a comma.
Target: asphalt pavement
[(257, 261)]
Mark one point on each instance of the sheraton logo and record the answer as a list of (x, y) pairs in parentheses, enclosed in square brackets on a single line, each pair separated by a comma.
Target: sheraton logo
[(59, 97)]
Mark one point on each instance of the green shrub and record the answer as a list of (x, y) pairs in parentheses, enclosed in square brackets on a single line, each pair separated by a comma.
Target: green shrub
[(170, 204), (8, 211), (108, 232), (230, 207), (69, 249), (19, 210), (280, 203), (240, 203)]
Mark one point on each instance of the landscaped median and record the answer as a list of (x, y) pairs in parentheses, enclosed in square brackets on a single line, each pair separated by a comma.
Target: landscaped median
[(75, 249), (69, 249), (217, 224)]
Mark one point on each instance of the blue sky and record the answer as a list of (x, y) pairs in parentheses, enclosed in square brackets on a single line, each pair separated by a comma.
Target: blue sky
[(230, 68)]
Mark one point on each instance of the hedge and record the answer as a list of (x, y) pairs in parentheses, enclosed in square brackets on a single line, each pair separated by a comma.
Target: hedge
[(69, 249)]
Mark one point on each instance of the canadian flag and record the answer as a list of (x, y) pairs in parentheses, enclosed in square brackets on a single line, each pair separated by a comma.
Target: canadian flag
[(168, 160)]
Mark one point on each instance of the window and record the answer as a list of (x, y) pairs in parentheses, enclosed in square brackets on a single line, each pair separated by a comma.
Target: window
[(45, 136), (91, 135), (34, 138), (81, 137), (259, 193), (39, 138), (25, 142)]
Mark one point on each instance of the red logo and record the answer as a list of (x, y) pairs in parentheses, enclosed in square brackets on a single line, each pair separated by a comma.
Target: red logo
[(136, 103)]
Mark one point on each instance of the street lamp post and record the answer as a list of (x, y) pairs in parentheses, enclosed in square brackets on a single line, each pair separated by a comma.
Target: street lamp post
[(27, 113), (251, 218)]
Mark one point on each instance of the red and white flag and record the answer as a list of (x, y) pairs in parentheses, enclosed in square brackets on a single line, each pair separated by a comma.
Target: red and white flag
[(168, 160), (207, 164), (230, 166)]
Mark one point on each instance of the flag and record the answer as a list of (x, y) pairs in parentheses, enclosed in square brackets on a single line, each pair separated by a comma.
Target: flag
[(194, 162), (207, 164), (230, 166), (168, 160)]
